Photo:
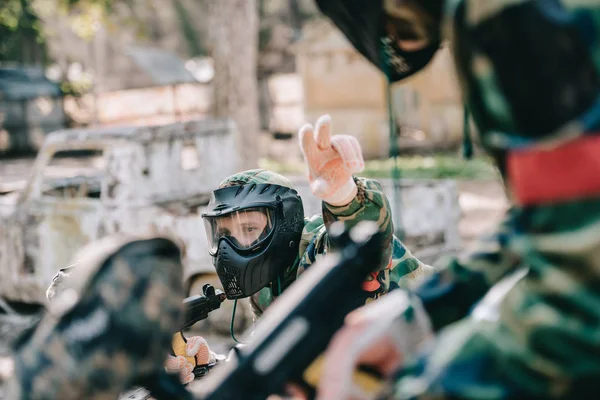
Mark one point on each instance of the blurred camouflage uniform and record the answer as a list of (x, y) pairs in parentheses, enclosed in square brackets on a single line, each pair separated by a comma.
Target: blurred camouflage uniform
[(109, 328), (530, 74), (400, 269)]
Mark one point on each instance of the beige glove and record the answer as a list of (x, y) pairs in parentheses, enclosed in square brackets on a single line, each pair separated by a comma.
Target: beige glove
[(188, 354), (331, 162)]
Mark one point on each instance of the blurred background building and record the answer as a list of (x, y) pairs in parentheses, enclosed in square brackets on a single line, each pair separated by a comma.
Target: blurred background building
[(152, 61)]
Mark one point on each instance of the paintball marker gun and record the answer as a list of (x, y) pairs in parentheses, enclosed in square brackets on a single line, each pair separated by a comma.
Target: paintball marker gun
[(297, 328), (197, 308)]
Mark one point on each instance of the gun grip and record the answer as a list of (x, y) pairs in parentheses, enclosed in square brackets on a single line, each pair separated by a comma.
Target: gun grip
[(368, 379)]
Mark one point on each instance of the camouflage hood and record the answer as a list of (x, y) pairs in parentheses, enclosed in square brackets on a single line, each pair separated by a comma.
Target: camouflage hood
[(257, 176)]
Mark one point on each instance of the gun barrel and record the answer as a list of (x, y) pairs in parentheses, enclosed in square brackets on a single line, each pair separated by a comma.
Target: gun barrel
[(198, 307)]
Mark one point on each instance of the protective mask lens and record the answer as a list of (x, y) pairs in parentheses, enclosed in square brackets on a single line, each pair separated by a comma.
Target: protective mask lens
[(244, 229)]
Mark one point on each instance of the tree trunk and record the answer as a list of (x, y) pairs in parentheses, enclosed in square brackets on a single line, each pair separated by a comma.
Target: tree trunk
[(295, 15), (234, 45)]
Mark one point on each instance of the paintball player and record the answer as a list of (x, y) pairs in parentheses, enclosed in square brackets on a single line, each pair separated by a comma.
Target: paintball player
[(530, 74), (110, 326), (185, 353), (260, 240)]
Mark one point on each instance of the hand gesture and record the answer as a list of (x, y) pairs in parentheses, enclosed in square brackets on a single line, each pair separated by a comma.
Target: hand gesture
[(331, 162)]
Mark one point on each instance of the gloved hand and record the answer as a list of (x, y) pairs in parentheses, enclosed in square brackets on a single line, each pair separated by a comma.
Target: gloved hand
[(189, 353), (331, 162), (379, 335)]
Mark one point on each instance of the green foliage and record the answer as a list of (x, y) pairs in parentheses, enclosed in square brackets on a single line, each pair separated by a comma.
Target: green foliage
[(85, 16), (21, 31), (440, 166), (105, 5), (75, 88), (10, 14), (264, 36)]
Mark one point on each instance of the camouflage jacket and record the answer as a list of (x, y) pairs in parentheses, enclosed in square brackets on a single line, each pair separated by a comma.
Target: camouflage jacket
[(110, 327), (400, 267), (520, 317)]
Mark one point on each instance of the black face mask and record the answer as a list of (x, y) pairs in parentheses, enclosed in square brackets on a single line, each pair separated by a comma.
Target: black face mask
[(375, 33), (254, 231)]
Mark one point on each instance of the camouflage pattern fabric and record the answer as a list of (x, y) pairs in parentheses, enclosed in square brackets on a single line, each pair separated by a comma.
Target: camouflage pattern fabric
[(450, 294), (109, 328), (400, 268), (530, 72), (542, 340)]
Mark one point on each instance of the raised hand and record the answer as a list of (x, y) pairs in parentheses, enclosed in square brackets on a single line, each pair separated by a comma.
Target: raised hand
[(331, 162)]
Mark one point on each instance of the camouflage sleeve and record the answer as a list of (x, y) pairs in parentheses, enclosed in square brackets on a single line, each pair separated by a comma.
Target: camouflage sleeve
[(535, 333), (451, 293), (399, 267), (406, 271), (370, 204), (109, 328)]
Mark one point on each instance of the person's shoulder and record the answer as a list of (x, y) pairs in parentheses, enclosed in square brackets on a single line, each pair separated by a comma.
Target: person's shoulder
[(312, 237), (313, 224)]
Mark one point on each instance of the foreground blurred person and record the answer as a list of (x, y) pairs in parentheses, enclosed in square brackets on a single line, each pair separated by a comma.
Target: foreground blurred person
[(110, 326), (186, 352), (530, 74)]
